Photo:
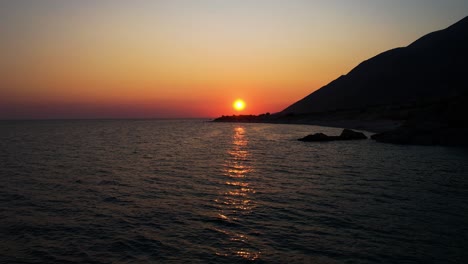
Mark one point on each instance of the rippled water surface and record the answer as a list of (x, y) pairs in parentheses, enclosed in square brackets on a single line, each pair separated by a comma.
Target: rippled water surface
[(188, 191)]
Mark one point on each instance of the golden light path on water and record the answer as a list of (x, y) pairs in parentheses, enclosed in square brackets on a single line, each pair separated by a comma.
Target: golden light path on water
[(236, 198)]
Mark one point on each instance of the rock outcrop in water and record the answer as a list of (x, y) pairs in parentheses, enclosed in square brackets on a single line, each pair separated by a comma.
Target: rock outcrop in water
[(318, 137), (425, 134), (444, 123), (347, 134)]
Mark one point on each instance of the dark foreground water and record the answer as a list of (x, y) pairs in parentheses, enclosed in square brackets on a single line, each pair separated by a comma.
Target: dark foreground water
[(196, 192)]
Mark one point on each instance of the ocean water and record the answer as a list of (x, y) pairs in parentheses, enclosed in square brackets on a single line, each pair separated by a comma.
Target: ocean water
[(190, 191)]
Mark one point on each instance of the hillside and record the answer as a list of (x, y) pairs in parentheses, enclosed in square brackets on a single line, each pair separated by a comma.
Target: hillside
[(412, 95), (430, 69)]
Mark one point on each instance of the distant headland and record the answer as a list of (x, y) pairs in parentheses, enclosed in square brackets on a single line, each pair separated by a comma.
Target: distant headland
[(412, 95)]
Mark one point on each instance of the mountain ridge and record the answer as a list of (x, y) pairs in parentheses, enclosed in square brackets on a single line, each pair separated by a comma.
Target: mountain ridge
[(416, 94), (429, 68)]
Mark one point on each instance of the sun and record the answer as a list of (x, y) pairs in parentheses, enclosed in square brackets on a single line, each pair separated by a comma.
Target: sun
[(239, 105)]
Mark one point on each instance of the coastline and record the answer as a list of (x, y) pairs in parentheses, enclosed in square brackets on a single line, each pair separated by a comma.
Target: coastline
[(372, 126), (368, 125)]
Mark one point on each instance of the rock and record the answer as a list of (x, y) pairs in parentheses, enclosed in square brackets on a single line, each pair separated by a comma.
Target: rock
[(397, 136), (425, 134), (317, 137), (418, 133), (347, 134)]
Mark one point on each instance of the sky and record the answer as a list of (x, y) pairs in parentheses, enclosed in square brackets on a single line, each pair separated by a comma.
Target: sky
[(192, 58)]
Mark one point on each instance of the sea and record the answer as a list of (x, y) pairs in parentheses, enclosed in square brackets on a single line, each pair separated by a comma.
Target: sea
[(193, 191)]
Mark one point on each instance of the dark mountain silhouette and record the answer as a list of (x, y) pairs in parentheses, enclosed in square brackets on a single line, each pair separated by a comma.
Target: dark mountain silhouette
[(412, 95), (430, 69)]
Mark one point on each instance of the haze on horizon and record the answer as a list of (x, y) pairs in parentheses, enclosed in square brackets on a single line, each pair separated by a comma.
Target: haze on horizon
[(184, 58)]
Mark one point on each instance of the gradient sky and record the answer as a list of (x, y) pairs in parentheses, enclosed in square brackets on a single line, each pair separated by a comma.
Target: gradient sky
[(192, 58)]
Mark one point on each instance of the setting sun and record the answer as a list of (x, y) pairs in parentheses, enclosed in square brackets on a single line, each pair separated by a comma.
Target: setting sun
[(239, 105)]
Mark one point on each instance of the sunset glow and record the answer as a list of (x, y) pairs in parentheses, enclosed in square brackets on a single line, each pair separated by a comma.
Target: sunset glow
[(179, 58), (239, 105)]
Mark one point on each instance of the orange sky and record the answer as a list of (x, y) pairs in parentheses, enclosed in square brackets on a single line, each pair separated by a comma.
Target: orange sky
[(191, 58)]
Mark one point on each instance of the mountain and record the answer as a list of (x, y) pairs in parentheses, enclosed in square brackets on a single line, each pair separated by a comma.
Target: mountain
[(412, 95), (430, 69)]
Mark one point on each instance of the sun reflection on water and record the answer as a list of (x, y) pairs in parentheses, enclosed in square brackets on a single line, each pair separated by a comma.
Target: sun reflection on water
[(236, 198)]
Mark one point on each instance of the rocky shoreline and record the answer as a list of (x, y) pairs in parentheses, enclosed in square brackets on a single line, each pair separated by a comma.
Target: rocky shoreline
[(442, 123), (370, 125), (347, 134)]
